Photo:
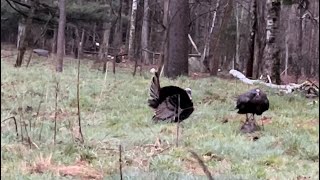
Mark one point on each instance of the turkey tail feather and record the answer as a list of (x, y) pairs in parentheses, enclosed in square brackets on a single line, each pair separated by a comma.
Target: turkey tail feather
[(154, 91)]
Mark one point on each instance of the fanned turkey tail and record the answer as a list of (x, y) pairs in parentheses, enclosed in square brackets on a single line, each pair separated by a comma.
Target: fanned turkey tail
[(154, 91)]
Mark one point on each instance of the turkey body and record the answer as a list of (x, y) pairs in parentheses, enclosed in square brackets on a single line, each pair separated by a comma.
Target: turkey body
[(170, 102), (253, 102)]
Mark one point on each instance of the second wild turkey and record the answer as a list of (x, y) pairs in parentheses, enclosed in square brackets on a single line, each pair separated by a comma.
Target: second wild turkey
[(170, 102), (252, 102)]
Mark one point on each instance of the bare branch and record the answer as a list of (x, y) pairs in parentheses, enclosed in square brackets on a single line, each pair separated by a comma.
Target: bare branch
[(78, 100), (55, 112), (120, 162), (203, 166)]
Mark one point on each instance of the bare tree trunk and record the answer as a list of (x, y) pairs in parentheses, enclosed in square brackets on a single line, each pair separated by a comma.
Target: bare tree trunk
[(145, 33), (94, 37), (260, 38), (215, 61), (253, 31), (237, 60), (104, 45), (298, 65), (54, 41), (23, 32), (272, 51), (132, 28), (287, 48), (208, 38), (61, 35), (20, 43), (77, 42), (164, 55), (177, 42), (118, 41), (80, 50), (128, 6)]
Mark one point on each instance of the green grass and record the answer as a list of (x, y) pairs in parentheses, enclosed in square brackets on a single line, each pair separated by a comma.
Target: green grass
[(114, 111)]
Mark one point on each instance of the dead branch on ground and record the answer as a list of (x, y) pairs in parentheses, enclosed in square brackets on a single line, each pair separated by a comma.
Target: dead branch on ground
[(15, 123)]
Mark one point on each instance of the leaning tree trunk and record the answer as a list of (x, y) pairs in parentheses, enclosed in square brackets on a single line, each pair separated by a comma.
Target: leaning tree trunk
[(145, 32), (272, 50), (61, 36), (132, 29), (253, 30), (23, 32), (177, 42)]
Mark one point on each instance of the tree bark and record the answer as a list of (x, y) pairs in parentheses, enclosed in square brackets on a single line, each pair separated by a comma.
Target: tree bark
[(145, 32), (272, 50), (249, 72), (61, 35), (177, 42), (132, 29)]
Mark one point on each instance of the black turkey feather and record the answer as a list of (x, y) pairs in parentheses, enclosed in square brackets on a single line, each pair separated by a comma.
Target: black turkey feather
[(252, 102), (169, 102)]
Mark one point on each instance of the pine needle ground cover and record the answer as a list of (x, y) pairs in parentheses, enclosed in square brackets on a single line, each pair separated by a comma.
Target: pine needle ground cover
[(114, 111)]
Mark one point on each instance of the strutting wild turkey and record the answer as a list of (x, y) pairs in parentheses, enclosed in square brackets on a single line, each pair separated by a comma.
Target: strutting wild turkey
[(169, 103), (252, 102)]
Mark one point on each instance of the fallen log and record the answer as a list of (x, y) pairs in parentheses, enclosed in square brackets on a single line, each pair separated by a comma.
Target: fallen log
[(288, 88)]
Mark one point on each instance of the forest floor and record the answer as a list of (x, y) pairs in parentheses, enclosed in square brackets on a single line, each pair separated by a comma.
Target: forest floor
[(114, 111)]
